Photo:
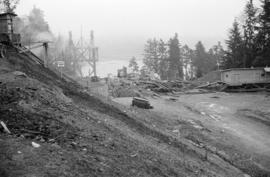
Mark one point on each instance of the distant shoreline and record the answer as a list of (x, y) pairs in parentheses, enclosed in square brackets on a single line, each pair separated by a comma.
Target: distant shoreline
[(109, 67)]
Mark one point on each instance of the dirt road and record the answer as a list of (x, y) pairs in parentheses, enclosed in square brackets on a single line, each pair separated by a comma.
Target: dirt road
[(234, 125)]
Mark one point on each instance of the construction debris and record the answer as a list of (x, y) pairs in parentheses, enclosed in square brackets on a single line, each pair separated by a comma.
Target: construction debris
[(165, 86), (19, 74), (35, 145), (5, 127), (94, 137), (139, 88), (220, 86)]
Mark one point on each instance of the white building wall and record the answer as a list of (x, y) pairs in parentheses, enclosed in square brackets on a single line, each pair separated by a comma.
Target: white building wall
[(239, 77)]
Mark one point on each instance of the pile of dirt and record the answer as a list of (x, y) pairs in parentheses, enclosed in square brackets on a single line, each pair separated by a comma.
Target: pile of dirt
[(22, 101)]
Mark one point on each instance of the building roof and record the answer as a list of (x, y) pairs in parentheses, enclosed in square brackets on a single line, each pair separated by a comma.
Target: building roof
[(243, 69), (8, 13)]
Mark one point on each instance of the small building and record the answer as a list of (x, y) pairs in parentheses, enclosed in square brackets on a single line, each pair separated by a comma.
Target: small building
[(241, 76), (7, 28)]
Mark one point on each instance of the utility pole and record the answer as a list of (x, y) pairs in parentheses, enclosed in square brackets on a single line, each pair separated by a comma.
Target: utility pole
[(46, 46)]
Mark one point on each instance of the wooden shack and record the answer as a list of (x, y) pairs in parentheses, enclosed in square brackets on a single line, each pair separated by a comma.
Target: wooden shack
[(7, 28), (242, 76)]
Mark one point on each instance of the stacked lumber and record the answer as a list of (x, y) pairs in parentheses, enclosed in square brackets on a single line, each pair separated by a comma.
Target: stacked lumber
[(165, 86)]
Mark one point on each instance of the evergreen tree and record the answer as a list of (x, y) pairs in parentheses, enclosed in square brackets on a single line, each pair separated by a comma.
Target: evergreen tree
[(133, 65), (197, 59), (263, 37), (216, 54), (249, 37), (201, 60), (175, 66), (155, 57), (163, 58), (151, 59), (233, 57), (187, 61)]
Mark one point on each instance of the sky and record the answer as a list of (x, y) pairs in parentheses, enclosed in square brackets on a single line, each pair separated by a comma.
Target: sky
[(122, 26)]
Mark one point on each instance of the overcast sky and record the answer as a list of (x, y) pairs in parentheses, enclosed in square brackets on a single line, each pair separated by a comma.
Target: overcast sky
[(122, 26)]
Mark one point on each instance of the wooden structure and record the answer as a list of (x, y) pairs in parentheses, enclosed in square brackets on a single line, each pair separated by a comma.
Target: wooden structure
[(243, 76), (9, 38), (88, 52), (7, 35), (241, 80), (83, 51)]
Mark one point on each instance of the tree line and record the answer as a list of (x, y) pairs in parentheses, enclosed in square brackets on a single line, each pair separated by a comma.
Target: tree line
[(248, 45), (170, 60)]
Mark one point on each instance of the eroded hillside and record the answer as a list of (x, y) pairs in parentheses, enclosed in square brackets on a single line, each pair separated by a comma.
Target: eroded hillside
[(81, 134)]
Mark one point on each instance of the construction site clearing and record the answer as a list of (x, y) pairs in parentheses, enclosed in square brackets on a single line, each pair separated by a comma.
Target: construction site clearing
[(52, 125), (55, 126)]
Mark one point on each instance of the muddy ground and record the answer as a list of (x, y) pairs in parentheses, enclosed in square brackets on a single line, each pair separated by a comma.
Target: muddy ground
[(83, 134), (233, 126)]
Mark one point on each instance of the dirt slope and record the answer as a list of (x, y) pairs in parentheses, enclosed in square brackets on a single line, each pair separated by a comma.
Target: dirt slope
[(83, 135)]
